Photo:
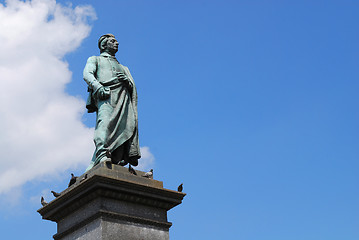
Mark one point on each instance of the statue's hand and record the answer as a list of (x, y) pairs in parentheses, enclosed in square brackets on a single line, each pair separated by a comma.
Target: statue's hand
[(122, 77), (103, 93)]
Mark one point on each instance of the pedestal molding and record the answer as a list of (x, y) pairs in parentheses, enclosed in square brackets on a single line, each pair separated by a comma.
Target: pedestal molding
[(111, 202), (110, 215)]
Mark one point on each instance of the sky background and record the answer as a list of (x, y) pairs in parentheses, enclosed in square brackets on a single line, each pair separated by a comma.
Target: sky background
[(253, 105)]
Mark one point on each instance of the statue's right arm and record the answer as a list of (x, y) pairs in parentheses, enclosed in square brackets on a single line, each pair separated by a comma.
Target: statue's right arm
[(90, 72)]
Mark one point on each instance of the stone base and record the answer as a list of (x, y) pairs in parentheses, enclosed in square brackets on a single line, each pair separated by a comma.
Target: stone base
[(112, 204), (107, 227)]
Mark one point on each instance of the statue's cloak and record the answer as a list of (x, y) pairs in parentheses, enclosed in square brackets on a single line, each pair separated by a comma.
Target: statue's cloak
[(117, 118)]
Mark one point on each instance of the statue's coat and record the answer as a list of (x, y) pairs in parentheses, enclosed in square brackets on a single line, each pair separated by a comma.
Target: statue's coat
[(117, 119)]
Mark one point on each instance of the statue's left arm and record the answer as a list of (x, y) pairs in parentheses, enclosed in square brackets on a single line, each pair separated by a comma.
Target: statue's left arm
[(90, 73)]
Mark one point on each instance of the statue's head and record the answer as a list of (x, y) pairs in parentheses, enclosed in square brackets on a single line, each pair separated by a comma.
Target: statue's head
[(108, 43)]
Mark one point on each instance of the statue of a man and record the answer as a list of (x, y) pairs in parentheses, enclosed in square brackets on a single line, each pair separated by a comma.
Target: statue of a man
[(113, 97)]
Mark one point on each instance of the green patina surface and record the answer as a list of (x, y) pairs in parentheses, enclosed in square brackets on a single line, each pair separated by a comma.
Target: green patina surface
[(113, 96)]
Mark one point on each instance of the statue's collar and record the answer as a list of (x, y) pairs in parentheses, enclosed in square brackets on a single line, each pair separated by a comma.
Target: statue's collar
[(105, 54)]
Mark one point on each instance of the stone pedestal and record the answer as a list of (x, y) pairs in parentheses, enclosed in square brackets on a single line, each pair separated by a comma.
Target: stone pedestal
[(109, 204)]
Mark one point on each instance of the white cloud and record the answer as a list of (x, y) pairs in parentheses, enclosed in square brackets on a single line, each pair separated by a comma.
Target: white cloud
[(147, 159), (40, 125), (41, 130)]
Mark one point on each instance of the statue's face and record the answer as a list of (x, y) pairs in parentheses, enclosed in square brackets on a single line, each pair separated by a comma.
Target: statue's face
[(112, 45)]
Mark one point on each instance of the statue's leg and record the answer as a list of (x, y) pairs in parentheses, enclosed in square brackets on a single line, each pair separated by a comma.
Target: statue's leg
[(133, 149), (101, 131), (117, 155), (126, 158), (133, 160)]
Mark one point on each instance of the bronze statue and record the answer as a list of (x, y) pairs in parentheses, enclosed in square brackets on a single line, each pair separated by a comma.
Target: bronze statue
[(113, 96)]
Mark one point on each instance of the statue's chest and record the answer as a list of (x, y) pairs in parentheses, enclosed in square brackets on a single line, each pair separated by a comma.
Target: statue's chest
[(109, 65)]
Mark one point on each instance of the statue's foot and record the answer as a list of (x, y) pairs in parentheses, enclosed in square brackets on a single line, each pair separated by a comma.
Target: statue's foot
[(106, 160), (122, 163)]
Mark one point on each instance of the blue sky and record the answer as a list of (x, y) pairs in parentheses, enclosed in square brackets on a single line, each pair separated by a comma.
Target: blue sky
[(253, 105)]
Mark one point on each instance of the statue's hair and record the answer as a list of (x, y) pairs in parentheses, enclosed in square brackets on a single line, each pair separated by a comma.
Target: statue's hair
[(103, 40)]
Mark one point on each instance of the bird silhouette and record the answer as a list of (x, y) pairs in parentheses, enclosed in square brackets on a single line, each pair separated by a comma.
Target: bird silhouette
[(180, 188), (56, 194), (43, 202), (83, 178), (131, 170), (72, 180), (148, 174)]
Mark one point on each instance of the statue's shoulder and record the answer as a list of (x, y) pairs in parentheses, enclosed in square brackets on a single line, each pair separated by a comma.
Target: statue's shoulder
[(92, 59)]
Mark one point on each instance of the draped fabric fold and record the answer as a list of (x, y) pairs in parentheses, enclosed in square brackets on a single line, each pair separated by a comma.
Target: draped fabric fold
[(116, 128)]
